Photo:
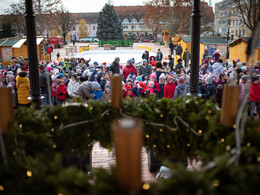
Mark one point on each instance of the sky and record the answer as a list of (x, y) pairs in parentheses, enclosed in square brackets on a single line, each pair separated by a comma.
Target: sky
[(86, 5)]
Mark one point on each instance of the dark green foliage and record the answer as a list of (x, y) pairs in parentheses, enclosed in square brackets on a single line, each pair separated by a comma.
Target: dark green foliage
[(6, 30), (109, 24)]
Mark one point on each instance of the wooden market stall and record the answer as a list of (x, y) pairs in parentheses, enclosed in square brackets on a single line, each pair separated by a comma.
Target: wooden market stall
[(237, 49), (15, 47)]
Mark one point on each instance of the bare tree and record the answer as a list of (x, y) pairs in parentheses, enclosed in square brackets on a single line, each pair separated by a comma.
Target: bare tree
[(249, 11)]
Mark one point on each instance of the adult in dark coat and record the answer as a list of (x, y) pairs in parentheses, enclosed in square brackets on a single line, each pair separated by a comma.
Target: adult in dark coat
[(45, 84), (171, 47), (179, 66), (171, 62), (145, 56), (145, 68), (179, 50), (114, 68), (210, 90), (186, 57), (159, 55)]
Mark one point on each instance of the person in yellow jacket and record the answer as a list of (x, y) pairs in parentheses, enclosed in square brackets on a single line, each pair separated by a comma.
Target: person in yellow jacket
[(23, 89), (46, 58)]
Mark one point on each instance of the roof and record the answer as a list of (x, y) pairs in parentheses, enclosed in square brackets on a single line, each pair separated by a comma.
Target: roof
[(246, 39), (39, 40), (208, 40), (10, 42), (1, 41), (130, 12), (19, 43)]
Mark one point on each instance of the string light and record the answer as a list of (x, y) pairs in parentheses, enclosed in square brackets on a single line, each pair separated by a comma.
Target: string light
[(43, 118), (20, 126), (108, 114), (46, 113), (168, 146), (207, 117), (146, 186), (248, 144), (188, 145), (147, 136), (52, 129), (90, 108), (161, 115), (161, 130), (216, 183), (228, 147), (187, 130), (258, 159), (54, 146), (197, 102), (55, 117), (200, 131), (147, 123), (2, 188), (88, 134), (234, 126), (60, 194), (29, 173), (154, 146), (222, 140), (209, 111), (72, 150), (14, 153)]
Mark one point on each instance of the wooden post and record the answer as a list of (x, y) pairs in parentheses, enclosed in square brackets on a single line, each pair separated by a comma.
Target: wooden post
[(116, 91), (230, 102), (6, 108), (127, 136)]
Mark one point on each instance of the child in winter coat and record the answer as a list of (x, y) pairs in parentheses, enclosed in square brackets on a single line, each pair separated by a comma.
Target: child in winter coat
[(97, 91), (169, 88), (255, 96), (73, 85), (128, 92), (161, 85), (135, 88), (243, 86), (151, 88), (23, 89), (156, 84), (106, 96), (61, 92)]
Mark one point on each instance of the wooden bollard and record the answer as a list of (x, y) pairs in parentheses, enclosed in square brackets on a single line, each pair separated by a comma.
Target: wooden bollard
[(6, 108), (230, 103), (116, 91), (127, 136)]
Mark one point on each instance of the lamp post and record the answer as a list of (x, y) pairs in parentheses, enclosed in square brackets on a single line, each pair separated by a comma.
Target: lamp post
[(195, 48), (229, 22), (32, 54)]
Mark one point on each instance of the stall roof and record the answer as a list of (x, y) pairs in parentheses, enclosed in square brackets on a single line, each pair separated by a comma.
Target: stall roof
[(39, 40), (208, 40), (19, 43), (2, 41), (10, 42)]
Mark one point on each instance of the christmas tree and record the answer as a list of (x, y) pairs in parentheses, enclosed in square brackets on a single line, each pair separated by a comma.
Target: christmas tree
[(109, 24)]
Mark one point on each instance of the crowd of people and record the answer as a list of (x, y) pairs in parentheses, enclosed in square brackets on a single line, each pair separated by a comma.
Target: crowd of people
[(69, 78)]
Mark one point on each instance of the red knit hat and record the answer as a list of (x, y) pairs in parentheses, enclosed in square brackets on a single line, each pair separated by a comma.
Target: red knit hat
[(142, 85), (128, 88)]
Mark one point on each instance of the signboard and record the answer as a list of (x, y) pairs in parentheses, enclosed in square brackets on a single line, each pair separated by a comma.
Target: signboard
[(7, 54)]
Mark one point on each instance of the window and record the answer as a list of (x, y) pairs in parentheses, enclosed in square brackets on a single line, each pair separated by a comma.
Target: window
[(133, 26), (134, 20), (94, 27), (141, 21), (220, 22), (125, 21), (141, 26), (125, 27)]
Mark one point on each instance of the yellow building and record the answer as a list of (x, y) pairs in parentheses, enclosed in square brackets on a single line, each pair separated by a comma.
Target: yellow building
[(237, 49), (15, 47), (210, 43)]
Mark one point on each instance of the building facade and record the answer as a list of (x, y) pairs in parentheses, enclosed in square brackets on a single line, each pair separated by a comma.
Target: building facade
[(228, 18)]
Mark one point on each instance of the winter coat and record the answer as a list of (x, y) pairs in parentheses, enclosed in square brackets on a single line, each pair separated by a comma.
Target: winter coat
[(159, 56), (98, 94), (180, 90), (178, 66), (61, 92), (162, 87), (171, 64), (84, 90), (153, 91), (205, 70), (219, 92), (186, 56), (129, 94), (128, 70), (72, 87), (169, 90), (179, 50), (243, 87), (255, 93), (73, 64), (23, 89), (45, 79), (201, 88), (46, 58), (217, 68), (106, 97), (156, 86), (158, 72), (210, 91), (216, 56), (102, 83), (145, 56), (114, 68), (145, 70)]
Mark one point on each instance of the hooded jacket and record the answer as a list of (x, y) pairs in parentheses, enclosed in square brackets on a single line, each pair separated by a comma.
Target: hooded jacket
[(114, 68), (145, 70), (23, 89), (84, 90), (61, 92), (255, 93), (128, 70), (217, 68), (72, 87), (180, 90)]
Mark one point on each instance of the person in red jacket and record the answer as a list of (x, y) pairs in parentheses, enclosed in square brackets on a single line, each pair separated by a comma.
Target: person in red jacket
[(128, 92), (156, 84), (169, 88), (61, 92), (255, 96), (129, 68)]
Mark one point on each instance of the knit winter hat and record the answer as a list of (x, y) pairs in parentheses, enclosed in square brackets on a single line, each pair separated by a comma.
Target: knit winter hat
[(95, 85), (153, 76), (244, 77), (141, 85), (151, 83), (254, 78), (130, 62), (162, 76), (145, 61)]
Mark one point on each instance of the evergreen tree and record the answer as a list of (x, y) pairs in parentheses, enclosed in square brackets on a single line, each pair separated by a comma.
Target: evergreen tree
[(83, 29), (109, 24), (6, 30)]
